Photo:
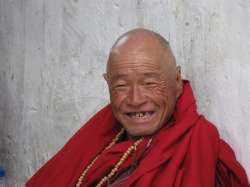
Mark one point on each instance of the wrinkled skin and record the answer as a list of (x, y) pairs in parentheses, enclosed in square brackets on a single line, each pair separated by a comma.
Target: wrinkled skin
[(144, 83)]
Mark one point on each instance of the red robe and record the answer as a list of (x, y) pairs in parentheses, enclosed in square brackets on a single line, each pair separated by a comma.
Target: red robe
[(187, 152)]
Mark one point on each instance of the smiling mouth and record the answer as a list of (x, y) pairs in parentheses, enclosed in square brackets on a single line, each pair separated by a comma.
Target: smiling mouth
[(140, 115)]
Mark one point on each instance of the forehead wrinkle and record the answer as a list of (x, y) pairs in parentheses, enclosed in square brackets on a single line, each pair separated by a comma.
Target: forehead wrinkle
[(124, 72), (132, 59), (156, 54), (130, 66), (144, 75), (146, 65)]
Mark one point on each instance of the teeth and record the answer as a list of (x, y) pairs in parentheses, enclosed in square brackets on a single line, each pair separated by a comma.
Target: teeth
[(138, 115), (141, 114)]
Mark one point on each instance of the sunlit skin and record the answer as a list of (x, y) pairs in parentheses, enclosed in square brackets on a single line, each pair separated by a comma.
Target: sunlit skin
[(144, 82)]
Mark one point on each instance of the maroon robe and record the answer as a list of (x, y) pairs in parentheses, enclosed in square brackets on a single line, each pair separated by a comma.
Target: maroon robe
[(187, 152)]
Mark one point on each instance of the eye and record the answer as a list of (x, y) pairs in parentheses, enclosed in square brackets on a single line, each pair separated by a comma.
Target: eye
[(150, 83), (120, 85)]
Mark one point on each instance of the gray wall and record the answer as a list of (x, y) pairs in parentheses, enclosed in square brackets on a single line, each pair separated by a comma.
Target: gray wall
[(53, 54)]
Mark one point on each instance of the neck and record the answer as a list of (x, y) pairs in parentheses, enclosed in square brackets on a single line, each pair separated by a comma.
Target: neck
[(131, 137)]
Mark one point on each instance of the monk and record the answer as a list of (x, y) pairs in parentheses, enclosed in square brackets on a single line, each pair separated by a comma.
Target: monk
[(150, 135)]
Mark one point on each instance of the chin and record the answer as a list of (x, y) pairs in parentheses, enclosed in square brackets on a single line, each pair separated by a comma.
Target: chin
[(140, 132)]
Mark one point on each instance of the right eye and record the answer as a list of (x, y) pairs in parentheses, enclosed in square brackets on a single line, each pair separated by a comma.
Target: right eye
[(120, 85)]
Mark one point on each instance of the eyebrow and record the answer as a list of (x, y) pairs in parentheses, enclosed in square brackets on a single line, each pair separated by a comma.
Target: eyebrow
[(119, 76), (150, 75)]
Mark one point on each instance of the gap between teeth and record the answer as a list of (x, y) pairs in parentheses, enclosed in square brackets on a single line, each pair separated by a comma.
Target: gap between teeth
[(141, 114)]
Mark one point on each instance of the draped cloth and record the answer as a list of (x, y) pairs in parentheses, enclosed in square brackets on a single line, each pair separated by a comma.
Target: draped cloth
[(187, 152)]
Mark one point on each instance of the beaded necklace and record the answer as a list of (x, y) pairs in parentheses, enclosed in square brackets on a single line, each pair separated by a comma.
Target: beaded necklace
[(117, 165)]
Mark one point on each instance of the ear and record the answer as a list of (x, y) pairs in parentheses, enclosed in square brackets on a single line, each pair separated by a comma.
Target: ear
[(179, 82), (105, 76)]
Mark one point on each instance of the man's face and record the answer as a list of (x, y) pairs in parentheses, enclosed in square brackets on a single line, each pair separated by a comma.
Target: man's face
[(143, 91)]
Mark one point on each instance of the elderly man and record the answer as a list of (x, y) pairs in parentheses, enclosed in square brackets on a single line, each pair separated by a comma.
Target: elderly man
[(150, 134)]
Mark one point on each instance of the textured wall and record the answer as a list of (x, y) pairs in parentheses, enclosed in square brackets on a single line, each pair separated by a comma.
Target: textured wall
[(53, 53)]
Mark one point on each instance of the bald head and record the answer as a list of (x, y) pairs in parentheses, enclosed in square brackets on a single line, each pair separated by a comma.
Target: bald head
[(140, 35), (139, 40)]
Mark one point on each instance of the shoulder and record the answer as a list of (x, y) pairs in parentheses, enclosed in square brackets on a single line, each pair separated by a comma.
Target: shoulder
[(204, 125), (206, 131)]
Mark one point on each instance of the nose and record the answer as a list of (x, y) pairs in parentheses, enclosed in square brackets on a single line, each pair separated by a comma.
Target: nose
[(136, 96)]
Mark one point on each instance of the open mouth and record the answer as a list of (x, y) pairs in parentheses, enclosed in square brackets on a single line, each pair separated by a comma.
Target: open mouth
[(140, 115)]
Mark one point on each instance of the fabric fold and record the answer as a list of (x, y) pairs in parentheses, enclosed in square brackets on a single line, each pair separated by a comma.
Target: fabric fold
[(186, 152)]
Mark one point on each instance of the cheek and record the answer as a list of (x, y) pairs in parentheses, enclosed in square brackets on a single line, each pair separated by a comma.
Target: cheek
[(117, 98), (159, 93)]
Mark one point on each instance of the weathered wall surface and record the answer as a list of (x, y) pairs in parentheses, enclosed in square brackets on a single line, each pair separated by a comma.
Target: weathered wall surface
[(53, 53)]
